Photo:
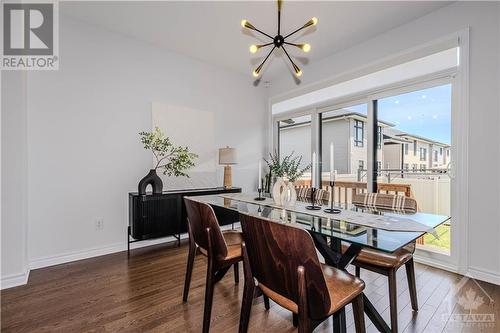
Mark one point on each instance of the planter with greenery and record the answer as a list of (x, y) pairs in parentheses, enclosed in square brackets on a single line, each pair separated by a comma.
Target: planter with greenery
[(286, 171), (173, 160), (288, 167)]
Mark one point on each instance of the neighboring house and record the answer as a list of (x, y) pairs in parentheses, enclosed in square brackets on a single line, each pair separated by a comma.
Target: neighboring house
[(413, 152), (348, 132)]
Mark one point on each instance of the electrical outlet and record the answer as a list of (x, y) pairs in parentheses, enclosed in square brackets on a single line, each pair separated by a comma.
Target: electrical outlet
[(99, 224)]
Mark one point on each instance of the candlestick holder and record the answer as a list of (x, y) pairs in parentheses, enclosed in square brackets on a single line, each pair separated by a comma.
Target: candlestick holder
[(260, 198), (313, 201), (332, 210)]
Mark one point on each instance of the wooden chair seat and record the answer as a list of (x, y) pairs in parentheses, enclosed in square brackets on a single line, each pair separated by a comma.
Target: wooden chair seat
[(233, 241), (342, 286), (383, 259), (342, 289)]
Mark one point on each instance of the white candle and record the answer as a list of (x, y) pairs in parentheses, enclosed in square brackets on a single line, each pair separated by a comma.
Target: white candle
[(260, 175), (313, 173), (332, 173)]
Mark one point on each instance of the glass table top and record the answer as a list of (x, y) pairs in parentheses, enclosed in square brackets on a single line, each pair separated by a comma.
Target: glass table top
[(383, 240)]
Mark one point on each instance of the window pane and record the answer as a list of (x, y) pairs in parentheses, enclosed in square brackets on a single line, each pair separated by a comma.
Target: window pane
[(346, 129), (420, 120), (295, 137)]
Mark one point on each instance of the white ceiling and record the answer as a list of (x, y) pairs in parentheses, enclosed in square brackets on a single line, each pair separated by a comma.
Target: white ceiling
[(211, 31)]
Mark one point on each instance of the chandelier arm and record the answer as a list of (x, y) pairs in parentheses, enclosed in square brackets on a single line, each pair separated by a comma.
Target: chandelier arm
[(293, 44), (254, 28), (279, 16), (295, 31), (265, 59), (264, 45), (289, 58)]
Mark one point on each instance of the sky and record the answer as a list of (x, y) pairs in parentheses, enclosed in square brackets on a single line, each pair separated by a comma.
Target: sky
[(424, 113)]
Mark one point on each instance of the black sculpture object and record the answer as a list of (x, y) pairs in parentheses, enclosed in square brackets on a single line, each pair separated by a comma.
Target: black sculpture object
[(151, 179)]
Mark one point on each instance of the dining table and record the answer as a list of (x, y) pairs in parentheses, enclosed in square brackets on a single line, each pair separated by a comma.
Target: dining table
[(357, 226)]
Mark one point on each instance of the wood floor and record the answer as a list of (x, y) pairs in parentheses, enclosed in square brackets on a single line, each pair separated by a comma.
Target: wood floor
[(144, 293)]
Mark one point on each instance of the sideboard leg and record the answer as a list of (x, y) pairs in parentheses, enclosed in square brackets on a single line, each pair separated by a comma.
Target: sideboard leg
[(128, 242)]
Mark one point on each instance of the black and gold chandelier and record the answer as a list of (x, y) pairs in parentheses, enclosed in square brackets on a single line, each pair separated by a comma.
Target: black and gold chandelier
[(279, 41)]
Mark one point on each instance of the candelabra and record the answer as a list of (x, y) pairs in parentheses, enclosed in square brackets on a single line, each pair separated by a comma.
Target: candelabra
[(332, 210), (260, 198), (313, 201)]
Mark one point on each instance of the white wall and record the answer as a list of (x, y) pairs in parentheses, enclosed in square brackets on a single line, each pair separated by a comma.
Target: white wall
[(83, 123), (483, 20), (14, 268)]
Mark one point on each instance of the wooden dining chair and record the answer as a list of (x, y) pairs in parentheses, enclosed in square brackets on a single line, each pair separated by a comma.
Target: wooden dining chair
[(281, 261), (388, 263), (222, 248)]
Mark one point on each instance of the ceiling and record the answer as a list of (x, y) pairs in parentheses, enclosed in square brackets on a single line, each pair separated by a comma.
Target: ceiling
[(211, 31)]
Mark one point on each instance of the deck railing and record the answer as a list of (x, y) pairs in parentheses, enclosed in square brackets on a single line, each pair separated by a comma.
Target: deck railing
[(343, 191)]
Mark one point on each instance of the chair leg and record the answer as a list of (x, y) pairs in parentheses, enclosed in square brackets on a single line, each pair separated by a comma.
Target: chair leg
[(248, 292), (304, 320), (266, 302), (189, 271), (236, 273), (209, 295), (246, 305), (358, 271), (393, 300), (304, 325), (410, 275), (359, 315), (295, 319)]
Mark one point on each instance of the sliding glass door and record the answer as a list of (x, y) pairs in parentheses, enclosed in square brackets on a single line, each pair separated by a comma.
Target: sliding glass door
[(416, 150), (397, 136)]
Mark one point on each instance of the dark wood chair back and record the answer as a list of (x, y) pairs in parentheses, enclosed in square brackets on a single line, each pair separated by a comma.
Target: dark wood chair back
[(200, 217), (275, 253)]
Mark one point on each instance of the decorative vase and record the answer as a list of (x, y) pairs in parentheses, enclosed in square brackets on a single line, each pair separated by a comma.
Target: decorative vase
[(284, 193), (277, 188), (289, 195), (151, 179)]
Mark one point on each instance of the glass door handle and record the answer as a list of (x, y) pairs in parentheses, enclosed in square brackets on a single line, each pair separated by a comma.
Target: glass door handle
[(451, 170)]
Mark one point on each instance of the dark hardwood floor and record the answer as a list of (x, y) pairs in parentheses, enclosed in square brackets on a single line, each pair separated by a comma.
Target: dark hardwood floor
[(144, 293)]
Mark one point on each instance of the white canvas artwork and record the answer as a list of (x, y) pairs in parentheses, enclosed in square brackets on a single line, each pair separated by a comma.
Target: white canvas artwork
[(195, 129)]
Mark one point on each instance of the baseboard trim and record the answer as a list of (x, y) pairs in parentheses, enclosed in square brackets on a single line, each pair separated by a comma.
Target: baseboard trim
[(14, 280), (484, 275), (103, 250), (435, 263), (75, 255)]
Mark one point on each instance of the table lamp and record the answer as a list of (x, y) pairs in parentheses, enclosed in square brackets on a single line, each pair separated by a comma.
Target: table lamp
[(227, 157)]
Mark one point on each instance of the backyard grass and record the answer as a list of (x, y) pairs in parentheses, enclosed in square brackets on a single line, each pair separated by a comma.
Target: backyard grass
[(444, 238)]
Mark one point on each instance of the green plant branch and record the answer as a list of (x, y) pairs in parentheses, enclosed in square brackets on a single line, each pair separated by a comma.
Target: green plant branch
[(178, 158)]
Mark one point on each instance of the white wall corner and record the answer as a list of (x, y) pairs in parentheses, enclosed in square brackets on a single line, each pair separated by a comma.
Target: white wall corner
[(14, 280)]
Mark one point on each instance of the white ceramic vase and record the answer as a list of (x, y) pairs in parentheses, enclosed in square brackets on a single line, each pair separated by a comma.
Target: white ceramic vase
[(284, 193)]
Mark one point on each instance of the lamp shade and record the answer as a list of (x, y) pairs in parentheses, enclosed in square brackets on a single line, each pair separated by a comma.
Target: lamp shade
[(227, 156)]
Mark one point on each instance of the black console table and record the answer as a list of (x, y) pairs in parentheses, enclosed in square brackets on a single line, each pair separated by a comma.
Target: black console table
[(161, 215)]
